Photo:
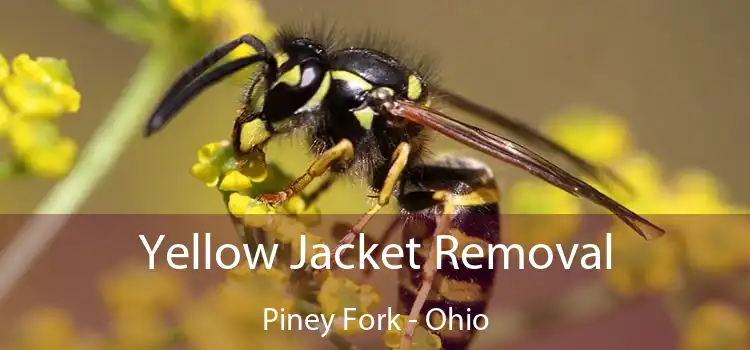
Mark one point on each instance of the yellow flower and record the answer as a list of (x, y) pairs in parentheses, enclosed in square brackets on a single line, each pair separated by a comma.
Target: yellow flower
[(715, 243), (54, 161), (215, 161), (288, 229), (238, 273), (541, 213), (650, 195), (715, 325), (136, 288), (206, 173), (338, 293), (239, 203), (309, 215), (244, 299), (714, 239), (240, 17), (422, 339), (295, 205), (5, 117), (210, 160), (598, 136), (241, 304), (40, 147), (258, 215), (36, 92), (198, 10), (41, 88), (233, 18), (640, 266), (232, 316), (235, 181), (537, 197), (26, 135), (4, 69), (276, 277), (139, 329), (24, 66), (697, 192), (48, 329), (643, 174), (206, 329), (712, 243), (207, 152), (254, 213)]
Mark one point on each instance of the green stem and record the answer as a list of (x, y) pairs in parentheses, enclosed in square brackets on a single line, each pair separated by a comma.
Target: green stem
[(10, 169), (95, 161)]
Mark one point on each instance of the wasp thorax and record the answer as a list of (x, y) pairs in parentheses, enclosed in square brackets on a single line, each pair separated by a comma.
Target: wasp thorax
[(382, 98)]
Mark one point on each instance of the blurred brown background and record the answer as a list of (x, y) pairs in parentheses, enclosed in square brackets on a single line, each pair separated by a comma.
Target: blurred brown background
[(677, 70)]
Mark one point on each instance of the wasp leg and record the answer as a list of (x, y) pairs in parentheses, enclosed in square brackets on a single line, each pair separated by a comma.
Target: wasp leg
[(428, 275), (398, 163), (341, 152)]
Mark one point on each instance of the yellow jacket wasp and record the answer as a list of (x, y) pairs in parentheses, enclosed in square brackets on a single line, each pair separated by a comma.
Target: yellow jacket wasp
[(367, 113)]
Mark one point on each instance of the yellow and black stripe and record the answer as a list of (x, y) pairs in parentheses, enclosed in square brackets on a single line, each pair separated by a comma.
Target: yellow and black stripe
[(466, 190)]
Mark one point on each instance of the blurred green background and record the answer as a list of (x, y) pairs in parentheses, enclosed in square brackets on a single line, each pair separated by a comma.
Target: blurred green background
[(675, 70)]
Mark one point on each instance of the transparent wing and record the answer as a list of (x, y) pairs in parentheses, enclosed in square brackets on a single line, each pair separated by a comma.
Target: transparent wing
[(531, 136), (519, 156)]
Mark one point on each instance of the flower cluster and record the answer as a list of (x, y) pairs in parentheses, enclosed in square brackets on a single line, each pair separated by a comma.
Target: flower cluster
[(703, 234), (231, 18), (37, 92), (231, 316), (527, 201), (51, 329), (241, 181), (149, 310), (137, 299), (716, 325), (188, 27), (338, 293)]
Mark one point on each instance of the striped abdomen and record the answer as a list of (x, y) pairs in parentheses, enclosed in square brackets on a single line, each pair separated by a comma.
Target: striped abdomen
[(460, 292)]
